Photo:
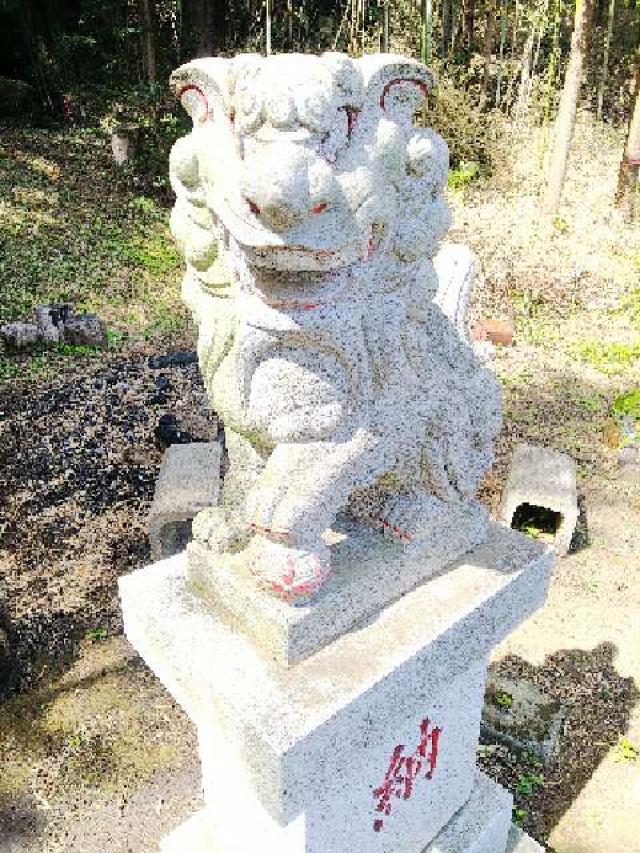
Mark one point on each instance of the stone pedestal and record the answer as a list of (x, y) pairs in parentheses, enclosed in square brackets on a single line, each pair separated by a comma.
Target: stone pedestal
[(366, 746)]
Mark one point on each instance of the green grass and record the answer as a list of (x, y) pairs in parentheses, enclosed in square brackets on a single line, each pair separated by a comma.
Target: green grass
[(528, 783), (627, 404), (607, 358), (625, 750), (71, 229)]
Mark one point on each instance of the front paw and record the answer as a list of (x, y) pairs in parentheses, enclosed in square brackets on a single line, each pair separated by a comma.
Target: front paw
[(293, 574)]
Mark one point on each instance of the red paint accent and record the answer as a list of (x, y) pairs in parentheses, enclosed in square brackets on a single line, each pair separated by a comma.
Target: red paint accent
[(270, 531), (397, 531), (319, 207), (397, 80), (352, 119), (403, 770), (191, 87), (253, 207), (291, 306)]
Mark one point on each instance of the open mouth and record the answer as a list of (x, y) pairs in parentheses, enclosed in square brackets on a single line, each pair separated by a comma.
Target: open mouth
[(305, 290)]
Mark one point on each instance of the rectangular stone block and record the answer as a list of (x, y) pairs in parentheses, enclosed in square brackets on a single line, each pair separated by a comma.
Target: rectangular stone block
[(542, 477), (189, 481), (328, 748), (369, 572), (389, 777)]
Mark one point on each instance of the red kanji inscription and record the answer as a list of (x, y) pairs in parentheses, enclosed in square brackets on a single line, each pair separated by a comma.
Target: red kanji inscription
[(404, 770)]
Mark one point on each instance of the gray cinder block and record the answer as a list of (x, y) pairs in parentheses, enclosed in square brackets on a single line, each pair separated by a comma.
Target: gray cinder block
[(518, 713), (546, 478), (189, 481)]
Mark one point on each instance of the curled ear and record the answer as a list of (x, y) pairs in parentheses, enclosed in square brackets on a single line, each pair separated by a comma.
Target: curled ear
[(395, 85), (202, 86)]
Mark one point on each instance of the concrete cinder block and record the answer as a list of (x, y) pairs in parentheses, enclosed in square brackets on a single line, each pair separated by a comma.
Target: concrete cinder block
[(518, 713), (189, 481), (312, 755), (546, 478)]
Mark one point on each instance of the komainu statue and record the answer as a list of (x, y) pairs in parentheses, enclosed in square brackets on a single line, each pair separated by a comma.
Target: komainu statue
[(308, 210)]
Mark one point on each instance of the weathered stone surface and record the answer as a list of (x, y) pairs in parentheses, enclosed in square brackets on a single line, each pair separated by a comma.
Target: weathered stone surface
[(369, 572), (309, 209), (542, 477), (520, 842), (518, 713), (48, 324), (85, 330), (457, 269), (318, 738), (482, 824), (19, 336), (189, 481), (125, 141)]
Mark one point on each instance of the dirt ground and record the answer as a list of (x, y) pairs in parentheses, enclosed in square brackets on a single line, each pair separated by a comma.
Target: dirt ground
[(93, 752)]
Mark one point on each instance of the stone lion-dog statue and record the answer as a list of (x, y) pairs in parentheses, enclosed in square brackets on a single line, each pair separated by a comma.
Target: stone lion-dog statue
[(308, 210)]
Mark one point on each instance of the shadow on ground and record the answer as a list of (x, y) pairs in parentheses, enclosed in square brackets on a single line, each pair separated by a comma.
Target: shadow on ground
[(598, 702)]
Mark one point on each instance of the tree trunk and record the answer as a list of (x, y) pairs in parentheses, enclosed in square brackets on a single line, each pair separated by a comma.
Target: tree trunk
[(200, 20), (487, 49), (426, 41), (468, 23), (630, 164), (566, 120), (267, 27), (147, 13), (446, 15), (605, 59), (503, 39)]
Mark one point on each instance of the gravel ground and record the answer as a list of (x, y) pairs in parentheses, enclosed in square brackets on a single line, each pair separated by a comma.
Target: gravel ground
[(79, 459)]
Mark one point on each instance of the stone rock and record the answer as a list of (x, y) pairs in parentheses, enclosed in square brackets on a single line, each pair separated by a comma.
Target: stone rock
[(541, 477), (189, 481), (173, 359), (17, 97), (309, 210), (56, 314), (49, 330), (370, 572), (85, 330), (20, 336), (519, 714), (125, 141)]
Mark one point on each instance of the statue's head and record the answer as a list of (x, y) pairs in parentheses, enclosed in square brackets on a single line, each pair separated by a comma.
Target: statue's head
[(312, 162)]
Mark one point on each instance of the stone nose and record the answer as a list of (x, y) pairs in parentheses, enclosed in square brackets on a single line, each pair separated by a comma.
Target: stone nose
[(275, 185)]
